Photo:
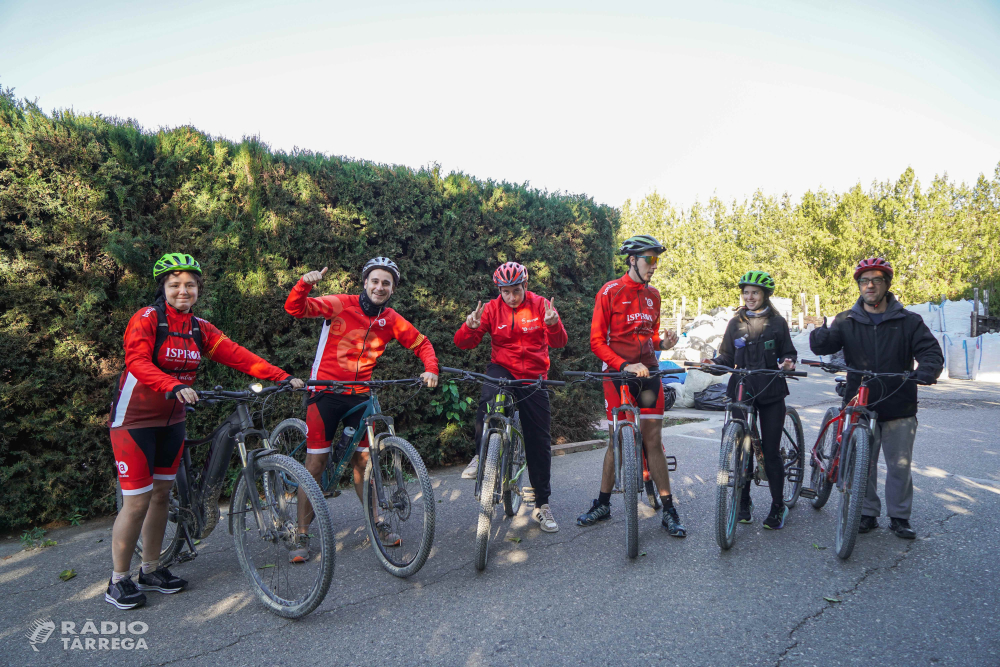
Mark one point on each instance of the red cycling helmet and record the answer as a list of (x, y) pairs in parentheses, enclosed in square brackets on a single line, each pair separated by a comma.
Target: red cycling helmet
[(510, 274), (873, 264)]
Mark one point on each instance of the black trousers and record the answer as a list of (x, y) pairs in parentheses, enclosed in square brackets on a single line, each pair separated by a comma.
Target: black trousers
[(536, 418), (770, 420)]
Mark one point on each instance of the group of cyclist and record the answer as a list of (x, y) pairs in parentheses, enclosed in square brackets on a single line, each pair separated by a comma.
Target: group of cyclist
[(165, 343)]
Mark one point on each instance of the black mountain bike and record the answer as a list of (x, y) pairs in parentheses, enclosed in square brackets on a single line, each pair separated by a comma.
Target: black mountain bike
[(741, 444), (500, 475), (399, 501), (630, 455), (263, 513)]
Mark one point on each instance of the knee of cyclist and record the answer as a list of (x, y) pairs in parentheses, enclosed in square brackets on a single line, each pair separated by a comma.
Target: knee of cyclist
[(647, 398)]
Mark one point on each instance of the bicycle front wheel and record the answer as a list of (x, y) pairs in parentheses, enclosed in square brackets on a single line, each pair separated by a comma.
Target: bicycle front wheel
[(793, 442), (402, 528), (630, 488), (173, 537), (513, 471), (729, 483), (491, 472), (854, 468), (287, 589), (818, 479)]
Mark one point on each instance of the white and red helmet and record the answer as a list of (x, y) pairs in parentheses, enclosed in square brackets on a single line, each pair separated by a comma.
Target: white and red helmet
[(510, 274)]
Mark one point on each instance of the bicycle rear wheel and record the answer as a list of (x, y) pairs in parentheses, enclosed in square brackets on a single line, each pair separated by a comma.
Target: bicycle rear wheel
[(404, 540), (491, 472), (291, 590), (513, 471), (854, 468), (173, 535), (792, 458), (818, 479), (729, 483), (630, 488)]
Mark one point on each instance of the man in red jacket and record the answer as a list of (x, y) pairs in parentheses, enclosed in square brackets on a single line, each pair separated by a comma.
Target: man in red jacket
[(354, 336), (522, 327), (624, 334)]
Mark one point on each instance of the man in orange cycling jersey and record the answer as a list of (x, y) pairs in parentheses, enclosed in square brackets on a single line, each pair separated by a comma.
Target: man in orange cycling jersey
[(354, 336), (624, 334)]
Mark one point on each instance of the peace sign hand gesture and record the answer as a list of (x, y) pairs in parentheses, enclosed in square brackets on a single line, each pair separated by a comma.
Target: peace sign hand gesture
[(475, 318), (314, 277), (551, 314)]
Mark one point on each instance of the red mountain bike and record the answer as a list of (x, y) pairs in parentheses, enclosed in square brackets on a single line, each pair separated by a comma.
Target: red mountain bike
[(842, 453)]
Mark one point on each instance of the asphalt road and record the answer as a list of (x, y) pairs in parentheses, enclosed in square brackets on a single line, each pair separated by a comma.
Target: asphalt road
[(573, 597)]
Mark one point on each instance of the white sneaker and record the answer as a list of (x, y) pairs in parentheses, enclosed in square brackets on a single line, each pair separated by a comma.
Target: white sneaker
[(528, 495), (543, 515), (471, 469)]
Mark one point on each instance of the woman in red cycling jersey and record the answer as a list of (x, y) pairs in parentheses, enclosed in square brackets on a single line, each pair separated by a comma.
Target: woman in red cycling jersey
[(522, 327), (164, 345)]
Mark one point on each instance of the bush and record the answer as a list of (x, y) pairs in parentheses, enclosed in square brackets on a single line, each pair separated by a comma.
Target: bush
[(88, 203)]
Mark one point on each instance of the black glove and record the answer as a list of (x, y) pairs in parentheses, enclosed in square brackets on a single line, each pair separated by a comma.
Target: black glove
[(923, 377)]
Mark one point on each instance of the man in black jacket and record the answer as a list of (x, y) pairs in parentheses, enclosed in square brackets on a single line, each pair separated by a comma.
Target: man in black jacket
[(878, 334)]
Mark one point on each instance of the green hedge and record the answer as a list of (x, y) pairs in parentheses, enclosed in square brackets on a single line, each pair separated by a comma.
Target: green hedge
[(87, 203)]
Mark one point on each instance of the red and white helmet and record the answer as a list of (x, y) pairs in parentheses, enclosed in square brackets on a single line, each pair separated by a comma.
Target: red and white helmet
[(873, 264), (510, 274)]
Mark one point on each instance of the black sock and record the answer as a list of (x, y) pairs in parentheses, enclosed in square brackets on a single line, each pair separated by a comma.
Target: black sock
[(603, 498), (668, 502)]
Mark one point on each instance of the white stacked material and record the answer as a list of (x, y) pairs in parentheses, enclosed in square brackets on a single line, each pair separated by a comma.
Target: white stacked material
[(988, 365), (801, 343), (696, 381), (951, 317)]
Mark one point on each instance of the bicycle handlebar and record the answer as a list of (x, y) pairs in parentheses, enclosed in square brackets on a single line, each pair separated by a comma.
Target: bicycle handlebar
[(746, 371), (503, 382), (360, 383), (595, 375), (218, 392), (831, 367)]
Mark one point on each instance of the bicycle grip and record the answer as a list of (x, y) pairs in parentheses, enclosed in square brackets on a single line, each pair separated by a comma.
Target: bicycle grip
[(445, 369), (170, 395), (811, 362), (797, 374)]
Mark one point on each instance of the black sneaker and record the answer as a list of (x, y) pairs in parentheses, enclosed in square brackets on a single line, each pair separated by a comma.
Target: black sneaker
[(868, 524), (673, 523), (598, 512), (776, 517), (124, 594), (160, 580), (901, 528), (746, 512)]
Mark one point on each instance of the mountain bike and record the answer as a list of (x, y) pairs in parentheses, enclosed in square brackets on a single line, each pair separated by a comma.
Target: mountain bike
[(500, 474), (842, 452), (399, 500), (263, 513), (631, 469), (741, 445)]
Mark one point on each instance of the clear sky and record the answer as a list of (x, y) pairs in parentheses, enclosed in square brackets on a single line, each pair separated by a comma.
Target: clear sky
[(609, 99)]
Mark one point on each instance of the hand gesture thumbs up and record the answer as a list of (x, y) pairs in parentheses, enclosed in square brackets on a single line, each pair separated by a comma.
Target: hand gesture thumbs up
[(314, 277), (551, 314), (475, 318)]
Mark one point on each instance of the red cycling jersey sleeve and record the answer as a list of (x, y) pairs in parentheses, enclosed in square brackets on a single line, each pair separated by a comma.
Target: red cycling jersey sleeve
[(416, 342), (218, 347)]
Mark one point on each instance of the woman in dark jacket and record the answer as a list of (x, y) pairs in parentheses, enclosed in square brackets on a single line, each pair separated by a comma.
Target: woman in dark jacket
[(758, 338)]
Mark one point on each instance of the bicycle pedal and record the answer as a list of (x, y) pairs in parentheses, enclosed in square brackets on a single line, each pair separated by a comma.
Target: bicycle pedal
[(795, 476), (807, 493), (671, 463), (187, 556), (331, 494)]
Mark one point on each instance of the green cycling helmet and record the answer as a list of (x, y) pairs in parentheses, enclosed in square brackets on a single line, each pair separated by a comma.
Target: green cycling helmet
[(640, 243), (760, 279), (175, 261)]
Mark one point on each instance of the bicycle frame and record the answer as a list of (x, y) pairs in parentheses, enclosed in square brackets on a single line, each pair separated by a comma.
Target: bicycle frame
[(850, 415), (496, 421)]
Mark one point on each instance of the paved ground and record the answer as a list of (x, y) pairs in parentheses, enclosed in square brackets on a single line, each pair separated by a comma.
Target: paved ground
[(573, 597)]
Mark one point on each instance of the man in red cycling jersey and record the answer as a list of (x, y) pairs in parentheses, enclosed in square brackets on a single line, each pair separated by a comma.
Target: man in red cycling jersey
[(164, 347), (522, 327), (624, 334), (354, 336)]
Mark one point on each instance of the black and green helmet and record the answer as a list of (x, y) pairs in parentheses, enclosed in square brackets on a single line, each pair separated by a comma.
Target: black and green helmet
[(635, 245), (175, 261), (760, 279)]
